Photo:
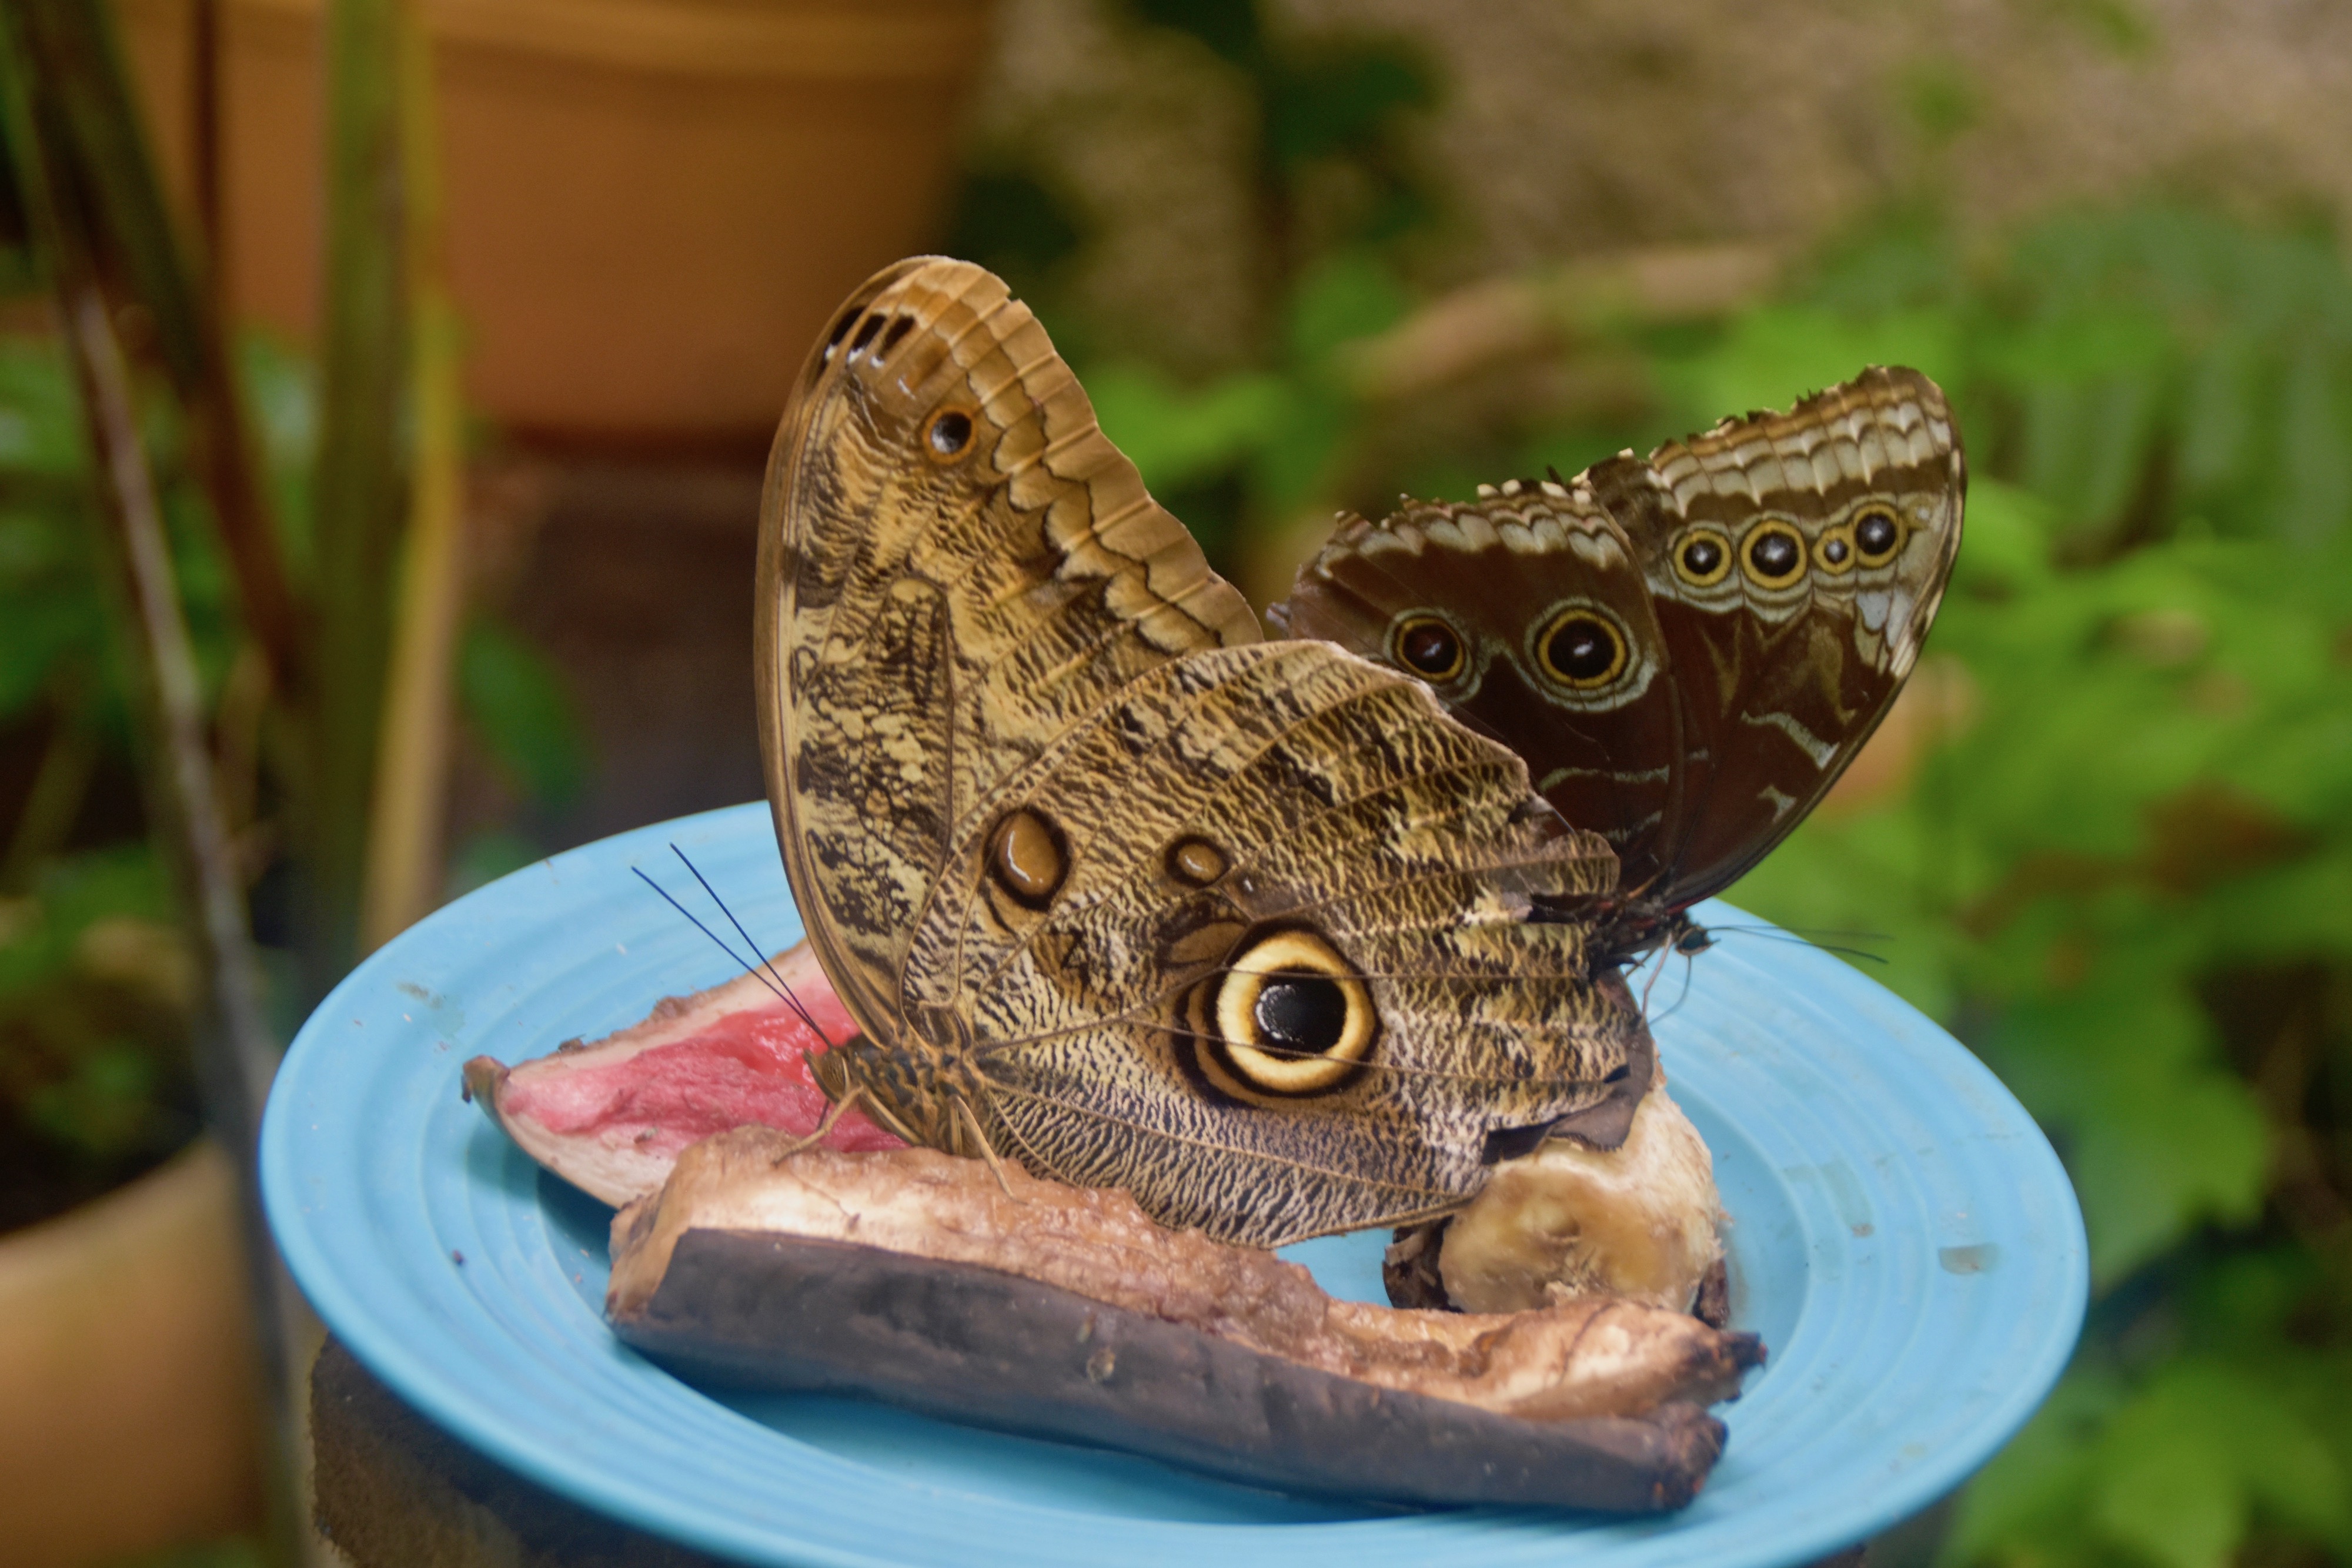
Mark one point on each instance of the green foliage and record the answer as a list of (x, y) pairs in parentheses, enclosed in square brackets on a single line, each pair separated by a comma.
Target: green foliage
[(2127, 848), (1015, 223), (1279, 430), (93, 1063), (95, 990), (1251, 444), (57, 648), (516, 703)]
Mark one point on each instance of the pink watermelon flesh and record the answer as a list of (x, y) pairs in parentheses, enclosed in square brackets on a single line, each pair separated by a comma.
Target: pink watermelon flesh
[(610, 1117)]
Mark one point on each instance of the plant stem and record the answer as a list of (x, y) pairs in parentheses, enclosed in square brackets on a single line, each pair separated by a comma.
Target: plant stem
[(73, 48), (413, 756), (364, 474), (60, 784)]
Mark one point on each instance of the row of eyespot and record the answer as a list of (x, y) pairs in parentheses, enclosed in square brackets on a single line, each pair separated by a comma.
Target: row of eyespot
[(1581, 648), (1773, 552), (1585, 651)]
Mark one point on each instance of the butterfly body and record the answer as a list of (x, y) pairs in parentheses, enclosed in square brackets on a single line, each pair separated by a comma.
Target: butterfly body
[(1114, 888), (1688, 649)]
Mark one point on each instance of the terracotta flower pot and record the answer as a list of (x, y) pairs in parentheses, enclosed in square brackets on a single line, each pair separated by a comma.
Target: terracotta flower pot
[(127, 1413), (652, 204)]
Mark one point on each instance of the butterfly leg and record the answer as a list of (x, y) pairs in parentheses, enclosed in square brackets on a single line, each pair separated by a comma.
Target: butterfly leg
[(987, 1152), (833, 1115)]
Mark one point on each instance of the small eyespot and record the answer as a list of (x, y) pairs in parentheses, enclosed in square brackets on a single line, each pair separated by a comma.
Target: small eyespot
[(948, 435), (1774, 553), (1703, 559), (1582, 649), (1290, 1017), (1833, 552), (841, 330), (1028, 857), (873, 324), (1877, 534), (1196, 862), (1430, 648), (899, 327)]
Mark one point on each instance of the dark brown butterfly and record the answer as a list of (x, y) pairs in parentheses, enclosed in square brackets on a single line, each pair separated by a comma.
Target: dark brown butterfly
[(1687, 650)]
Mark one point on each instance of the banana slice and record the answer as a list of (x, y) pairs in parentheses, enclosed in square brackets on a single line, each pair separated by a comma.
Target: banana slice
[(1639, 1221)]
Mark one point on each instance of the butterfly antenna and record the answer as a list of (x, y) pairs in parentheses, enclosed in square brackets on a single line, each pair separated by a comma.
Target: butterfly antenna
[(1808, 933), (1679, 1000), (1652, 982), (639, 872), (1810, 938), (771, 979), (765, 963)]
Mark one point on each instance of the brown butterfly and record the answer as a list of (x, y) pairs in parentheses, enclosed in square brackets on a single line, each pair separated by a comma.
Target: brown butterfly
[(1113, 887), (1687, 650)]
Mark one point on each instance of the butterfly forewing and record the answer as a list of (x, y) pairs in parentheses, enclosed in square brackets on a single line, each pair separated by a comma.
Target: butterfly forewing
[(1066, 834)]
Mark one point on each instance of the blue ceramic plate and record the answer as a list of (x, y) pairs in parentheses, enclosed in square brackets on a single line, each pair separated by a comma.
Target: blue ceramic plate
[(1902, 1237)]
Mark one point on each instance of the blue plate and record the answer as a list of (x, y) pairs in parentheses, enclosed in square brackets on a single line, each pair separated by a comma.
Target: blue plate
[(1902, 1237)]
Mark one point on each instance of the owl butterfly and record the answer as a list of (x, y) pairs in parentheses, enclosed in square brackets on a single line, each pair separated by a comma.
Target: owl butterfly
[(1113, 887), (1687, 650)]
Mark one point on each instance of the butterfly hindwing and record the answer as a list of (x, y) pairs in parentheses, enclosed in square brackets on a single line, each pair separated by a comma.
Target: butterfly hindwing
[(1776, 576)]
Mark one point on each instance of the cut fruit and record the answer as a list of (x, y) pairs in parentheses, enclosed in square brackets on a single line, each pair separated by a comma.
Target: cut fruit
[(611, 1117), (935, 1283)]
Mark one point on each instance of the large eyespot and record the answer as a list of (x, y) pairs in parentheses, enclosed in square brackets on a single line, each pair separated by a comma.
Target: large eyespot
[(1833, 552), (1582, 648), (1028, 857), (1703, 557), (1877, 534), (1774, 553), (1430, 647), (948, 435), (1291, 1017)]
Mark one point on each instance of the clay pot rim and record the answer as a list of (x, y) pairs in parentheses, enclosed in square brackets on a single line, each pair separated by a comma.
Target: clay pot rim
[(799, 40), (32, 1253)]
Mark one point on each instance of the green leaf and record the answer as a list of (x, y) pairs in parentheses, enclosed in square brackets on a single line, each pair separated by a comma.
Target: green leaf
[(2160, 1139), (2166, 1487), (1289, 472), (486, 857), (2029, 1499), (515, 701), (2183, 1466), (2009, 534), (1773, 356), (1177, 437), (1339, 99), (104, 1107), (1012, 223), (2318, 468), (1347, 296), (40, 422), (1228, 26)]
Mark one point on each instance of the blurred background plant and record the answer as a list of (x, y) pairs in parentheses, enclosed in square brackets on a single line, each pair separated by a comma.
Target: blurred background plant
[(1307, 257)]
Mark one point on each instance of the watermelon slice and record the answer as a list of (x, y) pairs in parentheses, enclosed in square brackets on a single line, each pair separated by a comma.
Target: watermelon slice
[(611, 1116)]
